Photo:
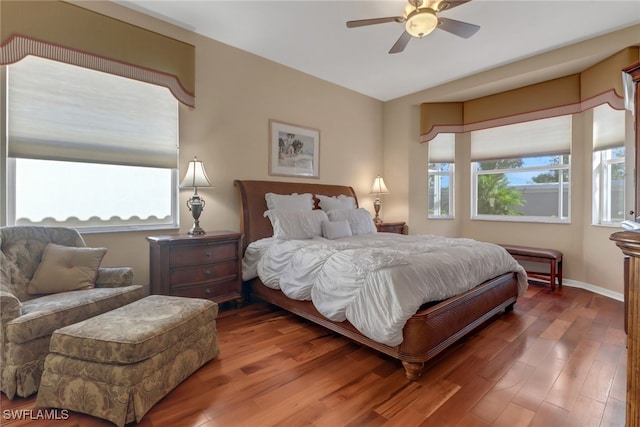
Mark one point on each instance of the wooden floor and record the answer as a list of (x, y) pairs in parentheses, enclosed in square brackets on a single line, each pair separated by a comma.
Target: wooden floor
[(557, 360)]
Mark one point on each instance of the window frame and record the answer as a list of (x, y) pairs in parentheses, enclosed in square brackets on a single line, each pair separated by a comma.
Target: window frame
[(438, 174), (92, 228), (536, 138), (524, 218), (602, 193)]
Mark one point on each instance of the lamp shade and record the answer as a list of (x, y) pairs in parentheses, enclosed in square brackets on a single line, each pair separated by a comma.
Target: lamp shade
[(378, 186), (196, 176)]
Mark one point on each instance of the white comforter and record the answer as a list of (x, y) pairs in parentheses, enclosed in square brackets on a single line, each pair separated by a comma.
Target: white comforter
[(376, 281)]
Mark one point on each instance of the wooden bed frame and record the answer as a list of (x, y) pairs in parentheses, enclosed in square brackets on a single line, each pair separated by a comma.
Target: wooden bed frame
[(431, 330)]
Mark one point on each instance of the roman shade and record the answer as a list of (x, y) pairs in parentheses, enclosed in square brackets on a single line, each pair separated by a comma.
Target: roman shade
[(68, 33), (442, 148), (608, 128), (571, 94), (63, 112), (534, 138)]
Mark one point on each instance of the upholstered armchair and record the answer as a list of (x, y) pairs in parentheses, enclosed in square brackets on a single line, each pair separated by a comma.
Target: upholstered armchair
[(46, 284)]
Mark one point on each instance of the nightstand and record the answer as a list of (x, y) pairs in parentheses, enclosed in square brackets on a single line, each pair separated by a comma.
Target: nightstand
[(203, 266), (391, 227)]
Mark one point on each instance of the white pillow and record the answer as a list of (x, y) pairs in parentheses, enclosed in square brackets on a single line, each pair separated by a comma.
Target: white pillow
[(296, 224), (336, 229), (359, 219), (341, 202), (289, 202)]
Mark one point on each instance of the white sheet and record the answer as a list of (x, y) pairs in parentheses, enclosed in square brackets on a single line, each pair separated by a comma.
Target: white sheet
[(377, 281)]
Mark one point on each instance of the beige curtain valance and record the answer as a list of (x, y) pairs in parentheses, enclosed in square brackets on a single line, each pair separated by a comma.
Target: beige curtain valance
[(69, 33), (599, 84)]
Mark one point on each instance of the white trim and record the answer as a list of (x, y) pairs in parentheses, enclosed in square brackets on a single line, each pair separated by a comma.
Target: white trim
[(593, 288)]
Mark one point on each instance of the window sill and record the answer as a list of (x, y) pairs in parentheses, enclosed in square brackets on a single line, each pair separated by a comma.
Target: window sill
[(534, 220)]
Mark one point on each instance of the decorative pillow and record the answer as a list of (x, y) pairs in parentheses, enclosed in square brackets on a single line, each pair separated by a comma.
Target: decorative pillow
[(336, 229), (340, 202), (296, 224), (289, 202), (359, 220), (66, 268)]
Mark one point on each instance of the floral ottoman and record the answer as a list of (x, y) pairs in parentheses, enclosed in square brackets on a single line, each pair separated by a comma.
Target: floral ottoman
[(117, 365)]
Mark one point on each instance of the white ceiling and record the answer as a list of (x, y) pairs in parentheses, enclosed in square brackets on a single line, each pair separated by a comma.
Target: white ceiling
[(311, 36)]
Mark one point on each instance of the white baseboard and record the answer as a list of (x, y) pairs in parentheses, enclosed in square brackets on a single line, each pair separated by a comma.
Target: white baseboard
[(593, 288)]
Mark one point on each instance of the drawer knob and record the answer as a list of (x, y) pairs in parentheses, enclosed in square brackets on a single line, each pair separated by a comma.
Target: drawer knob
[(207, 254), (207, 272), (207, 291)]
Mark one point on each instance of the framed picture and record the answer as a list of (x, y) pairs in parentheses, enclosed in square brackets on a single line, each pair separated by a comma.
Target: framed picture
[(294, 150)]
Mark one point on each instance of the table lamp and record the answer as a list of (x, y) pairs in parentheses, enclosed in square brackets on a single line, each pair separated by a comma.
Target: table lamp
[(378, 188), (195, 177)]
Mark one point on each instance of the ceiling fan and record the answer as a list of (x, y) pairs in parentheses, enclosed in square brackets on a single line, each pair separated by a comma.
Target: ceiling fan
[(421, 18)]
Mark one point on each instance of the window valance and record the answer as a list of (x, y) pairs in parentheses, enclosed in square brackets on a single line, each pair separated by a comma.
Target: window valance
[(68, 33), (599, 84)]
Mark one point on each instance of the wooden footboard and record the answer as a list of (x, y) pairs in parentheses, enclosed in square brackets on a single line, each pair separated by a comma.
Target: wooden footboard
[(428, 332)]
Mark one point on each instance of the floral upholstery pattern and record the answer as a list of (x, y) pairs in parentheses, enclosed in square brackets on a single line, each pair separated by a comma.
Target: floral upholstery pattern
[(136, 331), (41, 316), (117, 365), (113, 277), (27, 321)]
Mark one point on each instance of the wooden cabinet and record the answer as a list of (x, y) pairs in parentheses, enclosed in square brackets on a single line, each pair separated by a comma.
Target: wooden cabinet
[(634, 90), (629, 243), (203, 266), (391, 227)]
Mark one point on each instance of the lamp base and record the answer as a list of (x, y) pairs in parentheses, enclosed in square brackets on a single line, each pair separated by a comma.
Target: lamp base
[(196, 230), (195, 205), (376, 207)]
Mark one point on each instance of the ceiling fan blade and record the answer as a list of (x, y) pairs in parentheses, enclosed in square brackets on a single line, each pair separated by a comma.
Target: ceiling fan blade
[(450, 4), (459, 28), (401, 43), (363, 22)]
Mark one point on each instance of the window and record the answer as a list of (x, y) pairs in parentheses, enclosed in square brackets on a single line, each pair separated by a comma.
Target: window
[(608, 165), (88, 149), (440, 176), (521, 172)]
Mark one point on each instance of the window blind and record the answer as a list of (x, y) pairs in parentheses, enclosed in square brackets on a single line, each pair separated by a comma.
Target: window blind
[(535, 138), (64, 112), (442, 148), (608, 127)]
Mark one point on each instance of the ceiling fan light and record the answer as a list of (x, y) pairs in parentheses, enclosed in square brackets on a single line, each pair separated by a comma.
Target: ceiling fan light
[(421, 22)]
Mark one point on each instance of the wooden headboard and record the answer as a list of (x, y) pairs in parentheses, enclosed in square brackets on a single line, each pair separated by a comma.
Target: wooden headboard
[(253, 224)]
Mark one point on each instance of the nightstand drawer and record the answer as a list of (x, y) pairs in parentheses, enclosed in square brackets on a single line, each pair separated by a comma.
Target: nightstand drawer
[(202, 254), (222, 291), (187, 276), (198, 266)]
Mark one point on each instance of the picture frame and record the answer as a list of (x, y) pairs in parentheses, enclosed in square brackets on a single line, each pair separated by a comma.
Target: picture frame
[(294, 150)]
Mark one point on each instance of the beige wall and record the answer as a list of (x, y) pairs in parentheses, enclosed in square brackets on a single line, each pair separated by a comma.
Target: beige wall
[(590, 258), (236, 95)]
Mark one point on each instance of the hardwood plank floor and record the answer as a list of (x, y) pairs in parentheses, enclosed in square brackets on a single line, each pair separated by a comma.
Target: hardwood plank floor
[(559, 359)]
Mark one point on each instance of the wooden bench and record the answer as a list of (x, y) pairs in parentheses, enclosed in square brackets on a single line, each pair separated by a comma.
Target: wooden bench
[(548, 256)]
